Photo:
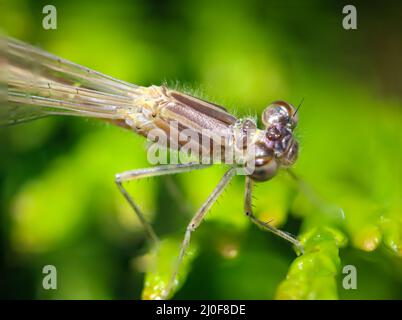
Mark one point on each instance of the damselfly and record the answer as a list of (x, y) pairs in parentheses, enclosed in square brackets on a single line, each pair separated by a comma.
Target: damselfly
[(40, 84)]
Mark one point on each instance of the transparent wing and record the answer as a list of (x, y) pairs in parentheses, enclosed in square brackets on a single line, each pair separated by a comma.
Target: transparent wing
[(35, 84)]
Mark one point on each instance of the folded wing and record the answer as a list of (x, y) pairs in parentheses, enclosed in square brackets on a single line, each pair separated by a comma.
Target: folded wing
[(35, 84)]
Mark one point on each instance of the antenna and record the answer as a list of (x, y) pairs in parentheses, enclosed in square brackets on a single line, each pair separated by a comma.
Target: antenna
[(298, 107)]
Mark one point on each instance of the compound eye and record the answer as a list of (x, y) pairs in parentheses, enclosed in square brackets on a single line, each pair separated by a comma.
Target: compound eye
[(265, 169), (291, 154), (279, 112)]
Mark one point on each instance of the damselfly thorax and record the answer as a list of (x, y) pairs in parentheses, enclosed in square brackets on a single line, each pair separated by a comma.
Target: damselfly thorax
[(213, 134), (40, 84)]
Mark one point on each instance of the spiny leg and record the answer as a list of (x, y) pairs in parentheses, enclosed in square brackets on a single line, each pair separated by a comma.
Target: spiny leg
[(195, 222), (146, 173), (265, 225)]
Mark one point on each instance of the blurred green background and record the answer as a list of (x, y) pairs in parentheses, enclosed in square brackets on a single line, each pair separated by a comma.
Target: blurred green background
[(59, 204)]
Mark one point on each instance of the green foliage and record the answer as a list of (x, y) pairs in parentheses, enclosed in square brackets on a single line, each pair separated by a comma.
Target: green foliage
[(60, 206), (164, 260), (313, 275)]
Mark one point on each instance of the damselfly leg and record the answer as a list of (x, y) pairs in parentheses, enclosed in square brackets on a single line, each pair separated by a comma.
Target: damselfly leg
[(147, 173), (248, 210), (195, 222)]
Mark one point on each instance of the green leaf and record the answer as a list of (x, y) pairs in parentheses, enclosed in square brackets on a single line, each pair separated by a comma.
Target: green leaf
[(163, 261), (313, 275)]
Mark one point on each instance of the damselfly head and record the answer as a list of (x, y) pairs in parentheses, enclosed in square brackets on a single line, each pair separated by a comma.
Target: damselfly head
[(280, 113), (277, 147)]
